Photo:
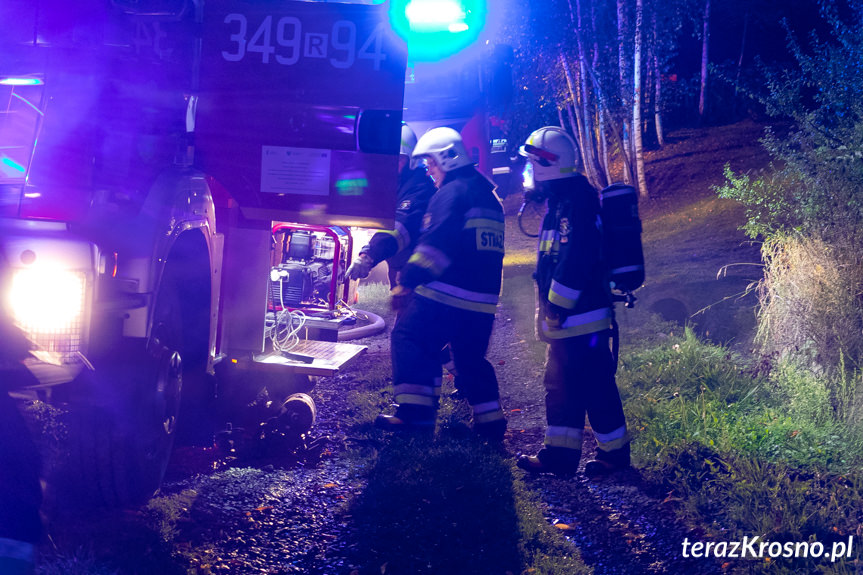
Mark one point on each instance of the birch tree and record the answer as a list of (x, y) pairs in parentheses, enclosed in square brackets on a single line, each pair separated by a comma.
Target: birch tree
[(657, 84), (705, 48), (600, 115), (637, 101), (598, 176), (622, 42)]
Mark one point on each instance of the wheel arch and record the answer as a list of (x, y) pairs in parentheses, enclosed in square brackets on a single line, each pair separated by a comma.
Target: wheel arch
[(189, 264)]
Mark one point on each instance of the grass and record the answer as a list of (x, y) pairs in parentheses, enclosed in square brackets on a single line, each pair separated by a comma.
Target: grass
[(446, 503), (743, 450), (374, 298), (452, 506)]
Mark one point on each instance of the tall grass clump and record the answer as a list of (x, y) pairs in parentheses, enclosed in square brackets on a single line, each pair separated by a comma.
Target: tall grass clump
[(811, 300), (807, 207)]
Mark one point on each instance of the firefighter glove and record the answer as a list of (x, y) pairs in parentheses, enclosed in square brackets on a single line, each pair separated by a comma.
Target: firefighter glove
[(400, 297), (360, 267), (554, 316)]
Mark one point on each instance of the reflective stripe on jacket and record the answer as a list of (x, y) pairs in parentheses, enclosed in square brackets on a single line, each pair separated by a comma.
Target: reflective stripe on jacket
[(415, 190), (570, 276), (459, 258)]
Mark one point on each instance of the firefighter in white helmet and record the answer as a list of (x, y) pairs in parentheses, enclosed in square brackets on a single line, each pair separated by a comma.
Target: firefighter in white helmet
[(455, 276), (414, 192), (575, 316)]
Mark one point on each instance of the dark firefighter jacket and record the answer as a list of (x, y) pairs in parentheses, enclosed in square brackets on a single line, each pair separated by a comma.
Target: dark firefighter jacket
[(415, 190), (570, 275), (459, 258)]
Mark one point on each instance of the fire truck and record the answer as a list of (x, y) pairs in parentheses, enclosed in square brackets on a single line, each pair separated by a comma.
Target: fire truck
[(152, 153)]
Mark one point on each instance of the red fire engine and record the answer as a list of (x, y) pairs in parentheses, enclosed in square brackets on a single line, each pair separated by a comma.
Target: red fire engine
[(146, 149)]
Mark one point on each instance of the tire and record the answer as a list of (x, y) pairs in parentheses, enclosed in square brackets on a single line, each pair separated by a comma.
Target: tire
[(121, 429), (530, 216)]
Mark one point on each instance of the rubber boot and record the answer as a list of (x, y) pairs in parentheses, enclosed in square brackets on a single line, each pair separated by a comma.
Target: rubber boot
[(557, 460), (608, 462), (407, 418)]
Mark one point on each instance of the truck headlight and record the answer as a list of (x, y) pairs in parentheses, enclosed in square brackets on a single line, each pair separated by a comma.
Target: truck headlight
[(48, 301)]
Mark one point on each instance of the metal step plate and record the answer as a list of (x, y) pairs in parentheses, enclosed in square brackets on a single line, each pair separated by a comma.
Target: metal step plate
[(329, 357)]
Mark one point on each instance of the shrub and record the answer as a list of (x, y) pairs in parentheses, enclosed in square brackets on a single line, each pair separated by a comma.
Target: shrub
[(808, 206), (810, 301)]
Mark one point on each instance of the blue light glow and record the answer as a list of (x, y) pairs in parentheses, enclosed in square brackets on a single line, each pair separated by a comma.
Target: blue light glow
[(431, 16), (20, 82), (437, 29)]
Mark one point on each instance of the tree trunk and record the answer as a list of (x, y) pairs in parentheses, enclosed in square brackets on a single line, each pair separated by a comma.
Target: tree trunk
[(578, 127), (624, 94), (600, 117), (705, 46), (574, 125), (739, 64), (598, 176), (657, 84), (636, 102), (610, 121), (603, 145)]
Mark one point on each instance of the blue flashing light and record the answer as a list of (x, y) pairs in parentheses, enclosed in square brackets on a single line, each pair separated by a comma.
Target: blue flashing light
[(20, 82), (437, 29)]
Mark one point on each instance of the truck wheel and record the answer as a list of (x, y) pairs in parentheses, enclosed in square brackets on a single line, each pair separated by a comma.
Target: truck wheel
[(122, 432)]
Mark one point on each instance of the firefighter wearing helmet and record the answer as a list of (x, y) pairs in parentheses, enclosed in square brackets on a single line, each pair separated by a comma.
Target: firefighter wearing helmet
[(575, 316), (414, 192), (455, 277)]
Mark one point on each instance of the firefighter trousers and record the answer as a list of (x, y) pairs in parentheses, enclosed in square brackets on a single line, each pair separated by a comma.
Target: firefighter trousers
[(420, 333), (579, 380)]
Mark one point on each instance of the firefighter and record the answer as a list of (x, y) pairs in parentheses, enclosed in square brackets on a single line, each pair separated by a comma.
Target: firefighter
[(414, 192), (454, 275), (20, 489), (575, 316)]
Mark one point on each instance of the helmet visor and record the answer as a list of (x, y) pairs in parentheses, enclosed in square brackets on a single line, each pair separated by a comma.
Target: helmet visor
[(542, 157)]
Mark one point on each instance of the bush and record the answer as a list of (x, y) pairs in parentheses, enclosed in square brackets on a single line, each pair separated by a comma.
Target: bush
[(808, 206)]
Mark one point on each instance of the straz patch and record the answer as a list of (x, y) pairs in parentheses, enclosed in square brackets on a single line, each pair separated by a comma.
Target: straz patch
[(405, 206), (565, 229), (488, 239)]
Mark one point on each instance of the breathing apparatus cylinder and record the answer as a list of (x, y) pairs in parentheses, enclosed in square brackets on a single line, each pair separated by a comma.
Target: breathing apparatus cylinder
[(622, 237)]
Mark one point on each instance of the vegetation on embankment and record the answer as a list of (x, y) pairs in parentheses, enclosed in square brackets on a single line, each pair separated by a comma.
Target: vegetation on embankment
[(745, 449), (772, 445)]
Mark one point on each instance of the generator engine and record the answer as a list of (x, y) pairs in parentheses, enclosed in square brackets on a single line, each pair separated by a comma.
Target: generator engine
[(309, 266)]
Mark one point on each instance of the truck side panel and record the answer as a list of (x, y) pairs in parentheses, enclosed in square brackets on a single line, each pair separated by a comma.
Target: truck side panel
[(300, 109)]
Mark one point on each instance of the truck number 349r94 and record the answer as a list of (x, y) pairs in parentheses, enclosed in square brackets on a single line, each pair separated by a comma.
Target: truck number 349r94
[(285, 43)]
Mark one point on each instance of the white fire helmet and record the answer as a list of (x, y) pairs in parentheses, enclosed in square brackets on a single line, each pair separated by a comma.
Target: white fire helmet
[(552, 152), (445, 147), (408, 143)]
